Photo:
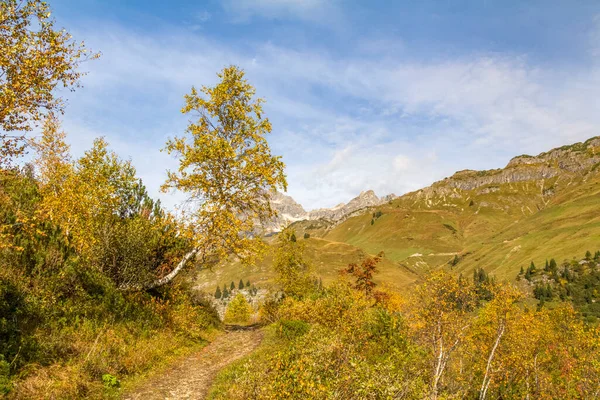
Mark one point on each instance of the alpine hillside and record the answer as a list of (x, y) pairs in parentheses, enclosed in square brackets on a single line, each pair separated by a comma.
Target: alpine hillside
[(537, 207)]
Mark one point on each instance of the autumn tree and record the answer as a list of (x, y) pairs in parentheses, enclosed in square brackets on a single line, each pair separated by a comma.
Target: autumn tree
[(440, 316), (105, 211), (227, 170), (238, 310), (363, 274), (293, 271), (80, 196), (35, 58), (488, 332)]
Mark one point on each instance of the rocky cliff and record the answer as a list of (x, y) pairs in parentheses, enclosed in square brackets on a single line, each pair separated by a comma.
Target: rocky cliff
[(567, 163)]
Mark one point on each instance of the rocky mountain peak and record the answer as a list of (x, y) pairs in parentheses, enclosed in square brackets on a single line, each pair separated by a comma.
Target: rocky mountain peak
[(290, 211)]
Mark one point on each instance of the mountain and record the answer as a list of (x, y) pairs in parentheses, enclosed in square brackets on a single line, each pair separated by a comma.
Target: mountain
[(289, 211), (533, 209), (537, 207)]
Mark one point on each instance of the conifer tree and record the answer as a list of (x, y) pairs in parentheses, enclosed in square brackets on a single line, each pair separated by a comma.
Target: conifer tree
[(553, 265), (248, 283), (241, 284), (225, 293), (522, 271), (232, 286), (588, 255), (218, 293)]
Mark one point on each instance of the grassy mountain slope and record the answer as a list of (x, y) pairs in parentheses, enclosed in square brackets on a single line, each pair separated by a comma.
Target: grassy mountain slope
[(547, 206)]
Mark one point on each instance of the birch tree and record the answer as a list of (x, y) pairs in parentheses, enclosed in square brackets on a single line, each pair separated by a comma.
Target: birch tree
[(227, 171)]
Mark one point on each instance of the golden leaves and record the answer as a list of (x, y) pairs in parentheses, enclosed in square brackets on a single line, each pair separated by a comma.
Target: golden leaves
[(79, 196), (226, 167), (34, 59)]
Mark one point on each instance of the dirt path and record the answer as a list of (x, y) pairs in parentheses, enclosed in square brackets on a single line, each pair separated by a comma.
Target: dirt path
[(192, 377)]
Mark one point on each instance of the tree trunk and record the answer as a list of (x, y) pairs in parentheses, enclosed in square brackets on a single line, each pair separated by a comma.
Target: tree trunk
[(165, 279), (486, 379)]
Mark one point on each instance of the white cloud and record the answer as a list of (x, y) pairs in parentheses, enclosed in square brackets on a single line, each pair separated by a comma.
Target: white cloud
[(307, 10), (391, 125), (402, 163)]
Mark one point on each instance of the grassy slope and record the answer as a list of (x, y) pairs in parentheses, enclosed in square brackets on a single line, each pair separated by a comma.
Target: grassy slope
[(499, 227), (566, 228), (327, 258)]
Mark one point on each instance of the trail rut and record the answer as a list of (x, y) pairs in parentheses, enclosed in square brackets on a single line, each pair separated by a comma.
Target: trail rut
[(192, 377)]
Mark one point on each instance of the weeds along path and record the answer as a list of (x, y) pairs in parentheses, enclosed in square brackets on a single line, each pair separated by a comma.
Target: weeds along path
[(192, 377)]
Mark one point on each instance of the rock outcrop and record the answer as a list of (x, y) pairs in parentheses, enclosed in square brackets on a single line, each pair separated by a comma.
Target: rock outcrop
[(290, 211), (573, 160)]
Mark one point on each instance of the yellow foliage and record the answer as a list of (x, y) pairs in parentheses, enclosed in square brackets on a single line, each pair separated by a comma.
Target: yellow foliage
[(238, 310), (226, 168), (34, 59), (80, 196)]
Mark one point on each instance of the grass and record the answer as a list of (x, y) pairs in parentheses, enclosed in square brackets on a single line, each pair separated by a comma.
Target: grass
[(497, 226)]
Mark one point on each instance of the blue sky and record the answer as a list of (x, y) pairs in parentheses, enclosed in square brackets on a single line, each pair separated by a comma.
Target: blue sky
[(382, 95)]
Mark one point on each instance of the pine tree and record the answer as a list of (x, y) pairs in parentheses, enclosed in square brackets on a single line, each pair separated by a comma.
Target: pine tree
[(218, 293), (532, 267), (528, 274), (232, 286), (522, 271), (372, 221), (248, 283), (241, 284), (547, 266), (225, 292), (553, 265), (588, 255)]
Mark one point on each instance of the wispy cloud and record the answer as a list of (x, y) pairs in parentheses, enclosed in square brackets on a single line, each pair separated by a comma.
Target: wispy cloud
[(306, 10), (342, 123)]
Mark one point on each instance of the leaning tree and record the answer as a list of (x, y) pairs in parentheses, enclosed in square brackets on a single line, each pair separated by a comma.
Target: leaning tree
[(227, 171)]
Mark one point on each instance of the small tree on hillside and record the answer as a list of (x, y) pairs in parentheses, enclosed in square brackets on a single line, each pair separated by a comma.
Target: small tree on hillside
[(232, 286), (241, 284), (238, 310), (363, 274), (293, 271), (248, 283), (218, 293)]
